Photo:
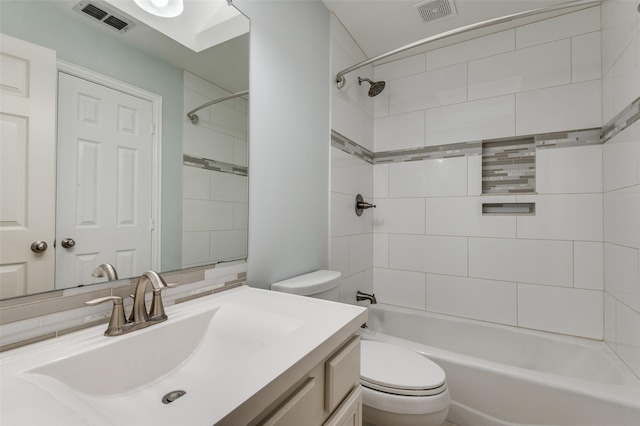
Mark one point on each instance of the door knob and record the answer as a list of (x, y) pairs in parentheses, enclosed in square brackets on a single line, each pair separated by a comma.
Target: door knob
[(39, 246), (68, 243)]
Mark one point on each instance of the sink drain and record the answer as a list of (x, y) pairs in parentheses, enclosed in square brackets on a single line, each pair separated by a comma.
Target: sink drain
[(172, 396)]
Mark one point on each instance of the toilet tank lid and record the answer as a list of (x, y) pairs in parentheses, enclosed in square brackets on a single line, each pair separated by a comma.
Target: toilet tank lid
[(308, 284)]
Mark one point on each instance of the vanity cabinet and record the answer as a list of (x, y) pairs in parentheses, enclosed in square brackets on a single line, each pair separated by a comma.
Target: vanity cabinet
[(327, 395), (245, 357)]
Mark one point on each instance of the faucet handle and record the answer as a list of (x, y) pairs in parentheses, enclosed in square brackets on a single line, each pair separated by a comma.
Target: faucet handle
[(157, 307), (117, 320)]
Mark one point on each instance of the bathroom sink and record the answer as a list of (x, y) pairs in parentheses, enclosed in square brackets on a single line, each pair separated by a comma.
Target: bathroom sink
[(219, 351), (193, 348), (128, 374)]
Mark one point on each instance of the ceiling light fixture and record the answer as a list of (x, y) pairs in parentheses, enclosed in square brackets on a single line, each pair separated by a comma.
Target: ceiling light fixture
[(162, 8)]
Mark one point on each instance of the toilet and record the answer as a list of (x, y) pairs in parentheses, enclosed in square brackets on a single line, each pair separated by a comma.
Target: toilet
[(399, 387)]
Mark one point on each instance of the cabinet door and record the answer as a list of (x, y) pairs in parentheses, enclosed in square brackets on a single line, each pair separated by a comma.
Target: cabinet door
[(342, 374), (349, 413)]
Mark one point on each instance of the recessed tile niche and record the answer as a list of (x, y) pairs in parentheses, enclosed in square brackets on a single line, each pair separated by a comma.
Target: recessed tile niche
[(509, 168)]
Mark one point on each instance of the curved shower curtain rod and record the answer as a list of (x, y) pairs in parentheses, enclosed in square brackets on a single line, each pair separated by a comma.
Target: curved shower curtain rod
[(194, 118), (340, 79)]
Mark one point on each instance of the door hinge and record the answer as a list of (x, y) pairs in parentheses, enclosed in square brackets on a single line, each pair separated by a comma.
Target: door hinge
[(153, 128), (152, 224)]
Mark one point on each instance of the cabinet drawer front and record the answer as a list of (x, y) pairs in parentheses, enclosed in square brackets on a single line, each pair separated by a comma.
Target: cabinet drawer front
[(342, 373), (350, 412), (288, 413)]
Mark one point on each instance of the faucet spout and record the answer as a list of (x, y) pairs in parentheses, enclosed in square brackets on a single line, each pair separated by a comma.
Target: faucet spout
[(106, 270), (140, 313)]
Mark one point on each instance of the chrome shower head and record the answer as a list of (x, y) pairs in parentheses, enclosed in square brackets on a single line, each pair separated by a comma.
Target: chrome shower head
[(376, 86)]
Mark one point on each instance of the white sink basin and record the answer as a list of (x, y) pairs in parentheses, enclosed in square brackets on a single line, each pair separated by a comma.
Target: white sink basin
[(220, 350), (192, 349)]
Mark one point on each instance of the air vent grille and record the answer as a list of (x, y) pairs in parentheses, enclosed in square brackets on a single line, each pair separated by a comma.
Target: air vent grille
[(431, 10), (116, 23), (91, 10), (102, 14)]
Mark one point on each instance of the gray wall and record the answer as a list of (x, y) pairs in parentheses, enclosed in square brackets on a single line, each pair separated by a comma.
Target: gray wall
[(84, 45), (290, 135)]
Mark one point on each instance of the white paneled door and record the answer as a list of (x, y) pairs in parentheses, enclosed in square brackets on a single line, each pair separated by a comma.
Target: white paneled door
[(27, 160), (104, 171)]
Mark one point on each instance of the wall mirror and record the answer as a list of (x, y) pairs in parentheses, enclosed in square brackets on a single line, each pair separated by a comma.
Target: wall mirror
[(183, 203)]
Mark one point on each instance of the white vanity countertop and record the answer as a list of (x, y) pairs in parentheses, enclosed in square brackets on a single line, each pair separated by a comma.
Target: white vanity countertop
[(229, 392)]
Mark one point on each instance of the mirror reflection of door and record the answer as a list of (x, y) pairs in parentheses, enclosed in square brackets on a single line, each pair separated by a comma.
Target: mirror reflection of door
[(104, 174), (27, 159)]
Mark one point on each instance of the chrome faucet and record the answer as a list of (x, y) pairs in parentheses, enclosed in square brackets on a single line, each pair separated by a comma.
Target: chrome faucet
[(360, 296), (106, 270), (140, 317)]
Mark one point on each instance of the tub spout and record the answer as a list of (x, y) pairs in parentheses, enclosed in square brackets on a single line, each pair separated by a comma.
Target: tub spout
[(360, 296)]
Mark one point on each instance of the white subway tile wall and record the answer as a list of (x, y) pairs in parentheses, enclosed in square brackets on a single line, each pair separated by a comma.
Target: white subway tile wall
[(588, 265), (485, 300), (542, 77), (215, 203), (521, 70), (621, 183), (563, 310), (471, 121), (483, 47), (572, 106), (432, 247), (352, 239), (561, 27), (572, 268)]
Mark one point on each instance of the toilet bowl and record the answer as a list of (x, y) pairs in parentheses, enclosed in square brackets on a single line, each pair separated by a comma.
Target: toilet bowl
[(399, 387)]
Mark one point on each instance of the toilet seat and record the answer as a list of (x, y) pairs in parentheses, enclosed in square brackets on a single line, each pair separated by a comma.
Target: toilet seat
[(399, 371)]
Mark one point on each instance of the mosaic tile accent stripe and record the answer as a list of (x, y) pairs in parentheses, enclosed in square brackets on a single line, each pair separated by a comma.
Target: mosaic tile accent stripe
[(568, 139), (216, 166), (345, 144), (624, 119), (509, 166), (571, 138), (429, 153), (462, 149)]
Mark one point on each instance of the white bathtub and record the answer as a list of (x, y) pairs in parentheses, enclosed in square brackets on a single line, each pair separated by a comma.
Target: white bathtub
[(507, 376)]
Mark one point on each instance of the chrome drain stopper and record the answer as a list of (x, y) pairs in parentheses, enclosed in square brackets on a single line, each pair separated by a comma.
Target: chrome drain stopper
[(172, 396)]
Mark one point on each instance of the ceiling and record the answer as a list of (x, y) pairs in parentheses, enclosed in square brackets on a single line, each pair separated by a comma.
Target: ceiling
[(379, 26), (225, 64)]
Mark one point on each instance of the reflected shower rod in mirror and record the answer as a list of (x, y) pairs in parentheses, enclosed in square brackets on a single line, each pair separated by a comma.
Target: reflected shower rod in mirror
[(341, 80), (194, 118)]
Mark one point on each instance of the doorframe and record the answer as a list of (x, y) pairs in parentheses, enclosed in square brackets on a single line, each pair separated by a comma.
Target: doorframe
[(156, 142)]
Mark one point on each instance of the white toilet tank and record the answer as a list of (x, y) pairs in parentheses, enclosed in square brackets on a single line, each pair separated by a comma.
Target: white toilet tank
[(321, 284)]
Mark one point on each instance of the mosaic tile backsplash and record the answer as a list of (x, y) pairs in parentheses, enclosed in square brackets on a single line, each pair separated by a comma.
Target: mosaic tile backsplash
[(31, 319)]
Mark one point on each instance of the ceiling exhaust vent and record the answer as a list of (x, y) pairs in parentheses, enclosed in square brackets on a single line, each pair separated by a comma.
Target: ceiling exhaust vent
[(99, 13), (431, 10)]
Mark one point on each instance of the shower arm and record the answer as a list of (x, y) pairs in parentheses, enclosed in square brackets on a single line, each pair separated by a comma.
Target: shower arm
[(340, 79), (194, 118)]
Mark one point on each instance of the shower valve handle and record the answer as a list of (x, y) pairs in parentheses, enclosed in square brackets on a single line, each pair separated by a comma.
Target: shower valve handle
[(365, 205), (361, 205)]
